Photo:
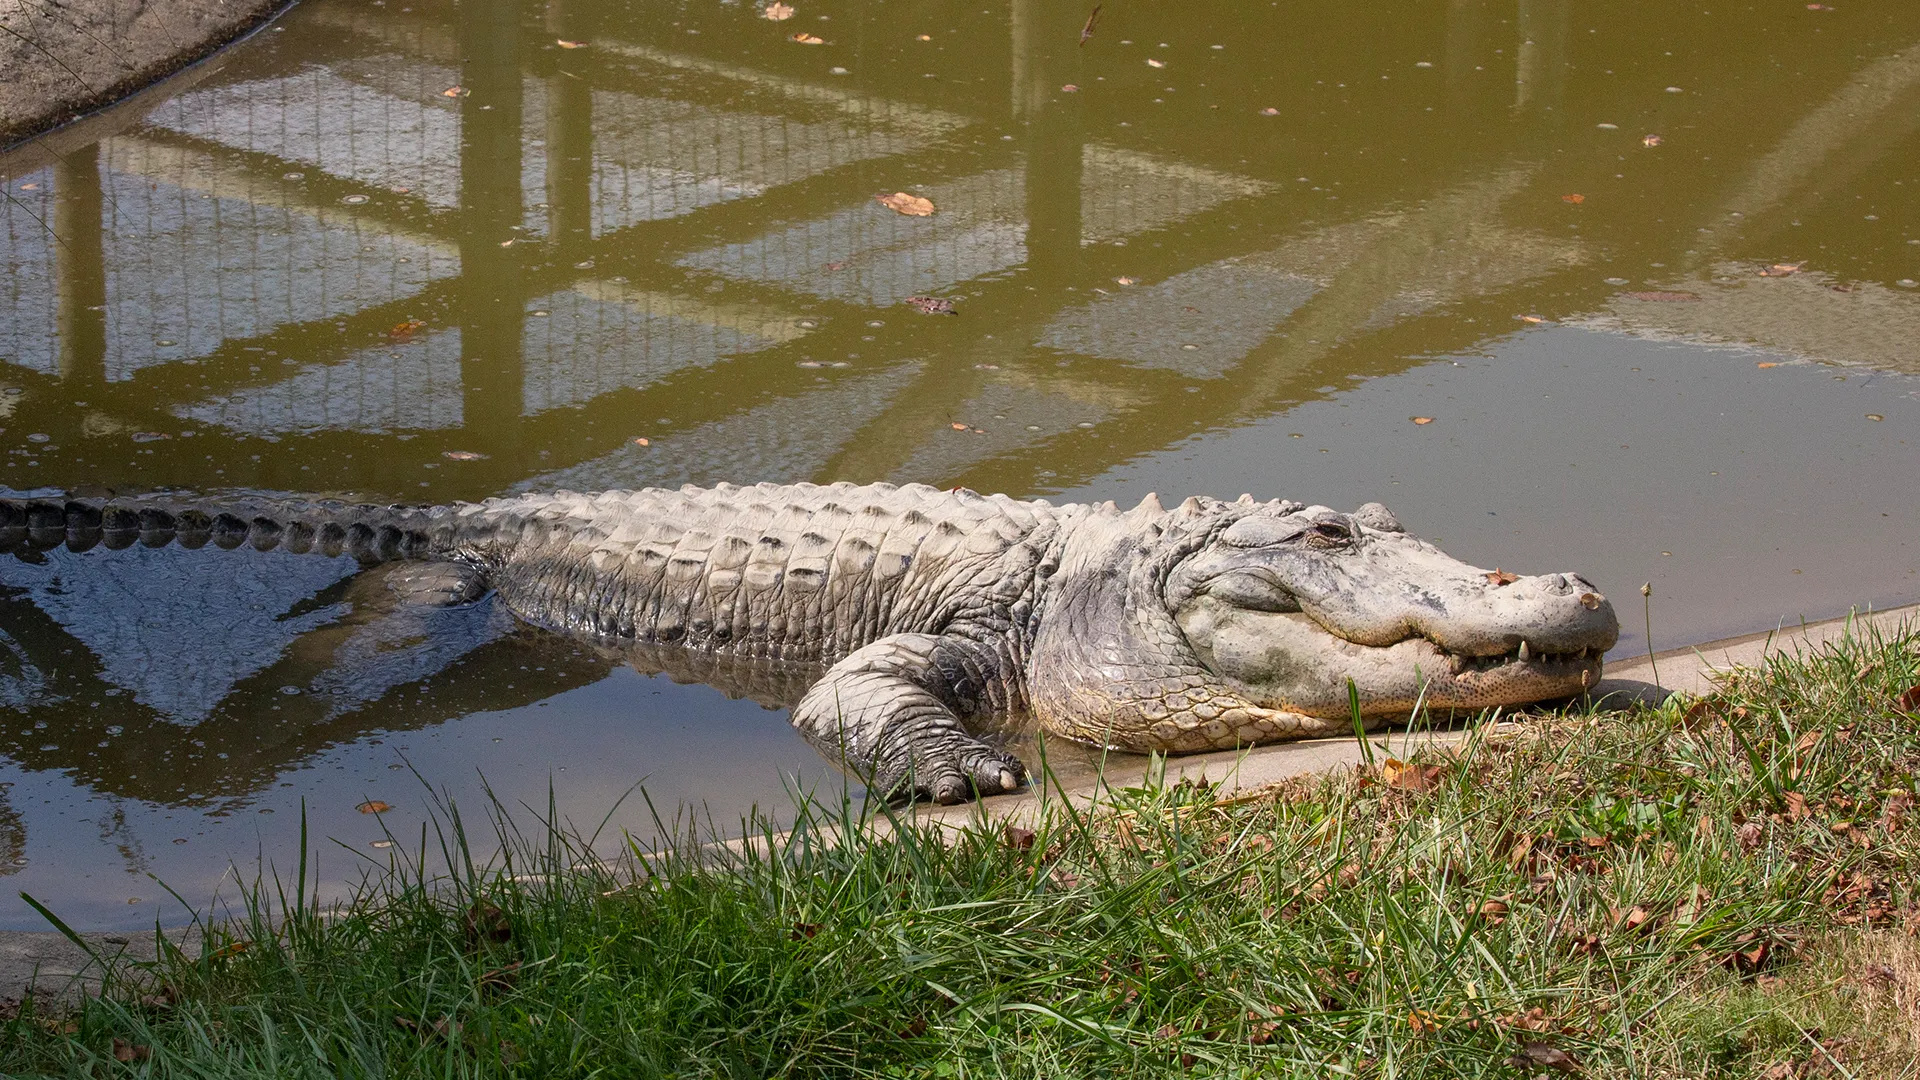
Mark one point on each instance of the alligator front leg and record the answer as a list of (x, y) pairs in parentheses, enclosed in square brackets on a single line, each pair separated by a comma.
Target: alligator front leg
[(893, 711)]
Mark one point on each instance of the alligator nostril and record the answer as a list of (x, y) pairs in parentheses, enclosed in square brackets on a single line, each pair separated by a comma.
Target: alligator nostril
[(1558, 583)]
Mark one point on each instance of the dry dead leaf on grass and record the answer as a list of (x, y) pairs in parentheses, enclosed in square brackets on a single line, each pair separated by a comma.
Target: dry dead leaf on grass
[(373, 806), (1575, 199), (1908, 701), (804, 930), (1401, 776), (902, 203), (1539, 1053), (777, 12), (1019, 839), (130, 1052), (805, 38)]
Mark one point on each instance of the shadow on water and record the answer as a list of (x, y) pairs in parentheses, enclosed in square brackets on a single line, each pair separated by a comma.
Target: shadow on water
[(1650, 272)]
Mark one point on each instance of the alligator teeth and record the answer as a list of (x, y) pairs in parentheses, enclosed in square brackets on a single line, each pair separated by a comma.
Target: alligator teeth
[(1525, 654)]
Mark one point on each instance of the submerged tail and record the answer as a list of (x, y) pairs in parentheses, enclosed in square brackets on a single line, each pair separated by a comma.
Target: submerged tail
[(368, 533)]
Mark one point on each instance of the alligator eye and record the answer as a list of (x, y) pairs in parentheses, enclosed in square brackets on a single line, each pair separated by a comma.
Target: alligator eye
[(1329, 534)]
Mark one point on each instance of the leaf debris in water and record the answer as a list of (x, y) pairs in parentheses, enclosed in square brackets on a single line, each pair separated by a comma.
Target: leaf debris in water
[(902, 203)]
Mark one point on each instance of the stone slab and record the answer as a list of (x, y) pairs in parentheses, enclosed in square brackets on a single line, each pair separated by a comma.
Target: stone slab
[(60, 59)]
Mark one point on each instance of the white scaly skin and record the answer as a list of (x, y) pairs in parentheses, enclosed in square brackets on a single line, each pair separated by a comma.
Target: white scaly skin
[(1213, 625)]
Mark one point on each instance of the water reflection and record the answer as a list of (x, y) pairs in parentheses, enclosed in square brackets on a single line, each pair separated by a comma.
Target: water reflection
[(429, 251)]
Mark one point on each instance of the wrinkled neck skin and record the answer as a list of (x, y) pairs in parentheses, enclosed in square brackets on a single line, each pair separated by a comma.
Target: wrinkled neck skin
[(1242, 622)]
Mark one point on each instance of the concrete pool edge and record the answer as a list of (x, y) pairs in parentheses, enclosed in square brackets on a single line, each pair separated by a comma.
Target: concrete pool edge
[(59, 66), (48, 964)]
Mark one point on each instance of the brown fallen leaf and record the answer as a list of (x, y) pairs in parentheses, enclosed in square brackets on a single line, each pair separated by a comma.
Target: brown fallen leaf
[(804, 930), (1536, 319), (1574, 199), (924, 37), (1069, 89), (1781, 270), (1086, 32), (373, 806), (902, 203), (930, 305), (1875, 417), (1401, 776), (1421, 421), (1651, 140), (1662, 296), (1494, 911), (1797, 806), (642, 441), (485, 922), (462, 455), (1539, 1053), (1500, 577), (230, 949), (1151, 62), (1423, 1022), (130, 1052), (1269, 111), (565, 44), (1908, 701), (777, 12), (454, 91), (958, 427), (1019, 839), (404, 331), (501, 979), (805, 38), (915, 1028), (1764, 364)]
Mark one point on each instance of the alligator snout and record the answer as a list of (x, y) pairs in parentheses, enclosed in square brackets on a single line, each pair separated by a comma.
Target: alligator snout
[(1549, 615)]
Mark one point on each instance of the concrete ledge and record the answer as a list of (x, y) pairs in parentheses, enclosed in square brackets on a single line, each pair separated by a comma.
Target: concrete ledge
[(60, 59)]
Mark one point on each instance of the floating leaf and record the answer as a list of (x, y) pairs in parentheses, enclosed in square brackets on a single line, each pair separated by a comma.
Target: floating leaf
[(902, 203), (1069, 89), (1781, 270), (565, 44), (1531, 318), (805, 38), (404, 331), (958, 427), (454, 91), (1125, 280), (1660, 296), (1575, 199), (777, 12), (1421, 421), (924, 37), (642, 441), (373, 806), (1086, 32), (1651, 140), (930, 305), (1269, 111), (1151, 62), (1875, 417), (1764, 364), (462, 455)]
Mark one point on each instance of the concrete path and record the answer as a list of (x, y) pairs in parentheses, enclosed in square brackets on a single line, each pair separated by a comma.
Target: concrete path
[(53, 968), (59, 61)]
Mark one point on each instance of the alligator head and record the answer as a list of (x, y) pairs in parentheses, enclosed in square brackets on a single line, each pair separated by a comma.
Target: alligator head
[(1235, 610)]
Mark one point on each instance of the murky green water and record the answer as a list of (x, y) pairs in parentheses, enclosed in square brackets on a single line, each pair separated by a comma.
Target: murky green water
[(1649, 271)]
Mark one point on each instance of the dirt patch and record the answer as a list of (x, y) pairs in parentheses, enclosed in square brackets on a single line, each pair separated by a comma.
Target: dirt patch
[(60, 59)]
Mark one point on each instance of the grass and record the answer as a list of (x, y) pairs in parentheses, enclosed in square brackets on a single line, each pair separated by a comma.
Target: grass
[(1722, 887)]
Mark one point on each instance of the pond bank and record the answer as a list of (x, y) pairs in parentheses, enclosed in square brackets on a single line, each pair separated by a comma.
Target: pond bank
[(47, 963), (1667, 891), (59, 62)]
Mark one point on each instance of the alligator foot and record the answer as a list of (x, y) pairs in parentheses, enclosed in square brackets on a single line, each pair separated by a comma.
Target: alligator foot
[(946, 766), (436, 584)]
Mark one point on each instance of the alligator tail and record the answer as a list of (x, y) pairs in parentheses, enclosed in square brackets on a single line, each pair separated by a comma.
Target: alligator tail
[(368, 533)]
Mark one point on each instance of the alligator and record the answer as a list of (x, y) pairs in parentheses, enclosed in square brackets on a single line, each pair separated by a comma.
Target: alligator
[(928, 614)]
